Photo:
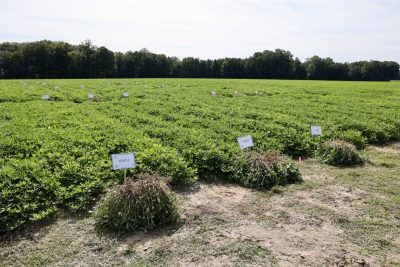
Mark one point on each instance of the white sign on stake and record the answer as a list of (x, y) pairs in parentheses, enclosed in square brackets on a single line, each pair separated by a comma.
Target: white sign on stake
[(126, 94), (213, 93), (45, 97), (245, 141), (123, 161), (316, 130), (90, 96)]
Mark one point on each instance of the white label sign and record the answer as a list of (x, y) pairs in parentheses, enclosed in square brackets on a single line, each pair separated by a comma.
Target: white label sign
[(90, 96), (316, 130), (123, 161), (56, 87), (236, 92), (213, 93), (245, 141), (125, 94), (82, 86), (45, 97)]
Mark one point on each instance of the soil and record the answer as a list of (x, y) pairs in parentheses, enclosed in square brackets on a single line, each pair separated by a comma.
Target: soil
[(336, 217)]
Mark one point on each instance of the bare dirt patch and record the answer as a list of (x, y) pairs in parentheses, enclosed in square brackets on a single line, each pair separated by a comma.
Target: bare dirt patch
[(337, 217), (289, 236), (391, 148)]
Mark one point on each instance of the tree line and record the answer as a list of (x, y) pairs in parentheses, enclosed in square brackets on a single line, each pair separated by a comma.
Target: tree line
[(48, 59)]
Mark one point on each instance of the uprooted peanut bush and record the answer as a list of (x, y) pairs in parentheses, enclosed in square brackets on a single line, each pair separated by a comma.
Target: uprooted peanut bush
[(339, 152), (263, 170), (141, 202)]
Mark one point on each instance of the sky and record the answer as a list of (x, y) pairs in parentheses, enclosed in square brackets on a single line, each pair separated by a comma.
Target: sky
[(345, 30)]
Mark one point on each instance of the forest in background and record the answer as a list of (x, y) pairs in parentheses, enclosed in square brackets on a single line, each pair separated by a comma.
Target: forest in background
[(48, 59)]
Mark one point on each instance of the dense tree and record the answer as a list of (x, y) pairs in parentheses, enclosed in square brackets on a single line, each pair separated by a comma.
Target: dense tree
[(103, 63), (59, 60), (318, 68), (190, 68), (46, 59), (299, 71), (232, 68)]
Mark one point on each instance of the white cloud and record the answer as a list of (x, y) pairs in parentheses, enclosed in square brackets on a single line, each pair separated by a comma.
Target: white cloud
[(345, 30)]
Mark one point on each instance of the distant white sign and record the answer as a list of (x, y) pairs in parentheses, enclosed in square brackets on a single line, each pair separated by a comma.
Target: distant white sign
[(56, 87), (123, 161), (245, 141), (236, 92), (82, 87), (45, 97), (90, 96), (213, 93), (126, 94), (316, 130)]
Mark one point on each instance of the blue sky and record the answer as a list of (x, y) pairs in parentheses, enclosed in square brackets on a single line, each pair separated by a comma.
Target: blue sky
[(346, 30)]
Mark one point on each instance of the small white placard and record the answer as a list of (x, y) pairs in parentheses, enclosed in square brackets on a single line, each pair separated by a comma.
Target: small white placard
[(56, 87), (316, 130), (126, 94), (82, 87), (213, 93), (245, 141), (236, 92), (45, 97), (123, 161), (90, 96)]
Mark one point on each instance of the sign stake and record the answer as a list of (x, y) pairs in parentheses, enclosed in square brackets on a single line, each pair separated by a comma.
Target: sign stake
[(245, 142), (123, 161)]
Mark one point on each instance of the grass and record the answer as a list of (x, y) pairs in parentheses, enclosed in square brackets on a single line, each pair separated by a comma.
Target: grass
[(336, 213)]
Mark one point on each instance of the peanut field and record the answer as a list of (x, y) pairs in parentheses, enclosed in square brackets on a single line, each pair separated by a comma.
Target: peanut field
[(55, 152)]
